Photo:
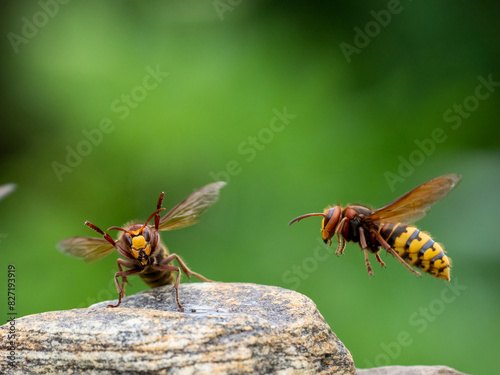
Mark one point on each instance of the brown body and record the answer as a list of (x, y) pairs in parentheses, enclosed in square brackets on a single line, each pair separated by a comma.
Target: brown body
[(387, 227), (154, 255), (141, 246), (154, 277)]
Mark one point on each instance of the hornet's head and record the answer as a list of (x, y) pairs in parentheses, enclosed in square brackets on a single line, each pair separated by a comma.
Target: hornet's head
[(140, 240), (331, 219), (137, 242)]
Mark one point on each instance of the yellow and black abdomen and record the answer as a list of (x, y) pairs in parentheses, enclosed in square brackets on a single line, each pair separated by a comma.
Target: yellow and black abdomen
[(158, 277), (417, 248)]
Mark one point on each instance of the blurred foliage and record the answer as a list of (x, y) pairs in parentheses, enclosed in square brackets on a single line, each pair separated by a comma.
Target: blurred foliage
[(225, 72)]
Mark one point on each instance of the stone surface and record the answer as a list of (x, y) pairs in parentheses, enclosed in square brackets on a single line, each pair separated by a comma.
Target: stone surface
[(228, 328), (410, 370)]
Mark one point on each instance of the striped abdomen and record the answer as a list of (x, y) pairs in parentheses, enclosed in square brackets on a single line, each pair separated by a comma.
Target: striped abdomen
[(417, 249), (158, 277)]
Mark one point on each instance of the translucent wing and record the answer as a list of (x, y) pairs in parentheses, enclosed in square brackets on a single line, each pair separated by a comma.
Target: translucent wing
[(89, 248), (6, 189), (189, 210), (417, 202)]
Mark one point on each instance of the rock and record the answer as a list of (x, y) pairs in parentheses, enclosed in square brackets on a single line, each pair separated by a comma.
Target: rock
[(410, 370), (227, 328)]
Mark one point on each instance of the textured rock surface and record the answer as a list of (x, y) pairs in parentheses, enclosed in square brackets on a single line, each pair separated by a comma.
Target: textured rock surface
[(410, 370), (226, 329)]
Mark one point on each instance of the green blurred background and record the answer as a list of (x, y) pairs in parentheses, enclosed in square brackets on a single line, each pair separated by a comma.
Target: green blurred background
[(264, 96)]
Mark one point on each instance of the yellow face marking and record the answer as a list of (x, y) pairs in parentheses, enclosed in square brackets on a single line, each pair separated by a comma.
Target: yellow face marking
[(135, 253), (324, 233), (138, 242)]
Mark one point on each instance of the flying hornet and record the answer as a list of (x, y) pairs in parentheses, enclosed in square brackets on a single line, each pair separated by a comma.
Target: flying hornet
[(388, 227)]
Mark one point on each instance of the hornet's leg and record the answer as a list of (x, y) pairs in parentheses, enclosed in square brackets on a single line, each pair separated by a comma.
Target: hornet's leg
[(367, 261), (340, 245), (390, 250), (377, 255), (340, 238), (123, 274), (185, 268), (364, 246), (166, 267), (380, 260)]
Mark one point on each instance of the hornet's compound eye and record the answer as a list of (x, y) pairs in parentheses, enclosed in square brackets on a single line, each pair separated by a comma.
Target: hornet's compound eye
[(147, 234), (128, 240), (327, 217), (332, 217)]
